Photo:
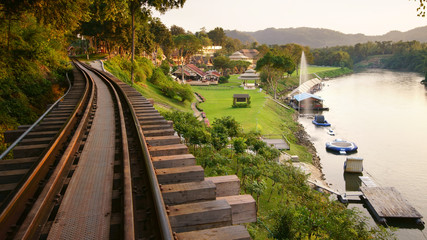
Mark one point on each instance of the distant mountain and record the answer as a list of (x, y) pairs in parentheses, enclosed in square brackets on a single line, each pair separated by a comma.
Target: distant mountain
[(320, 37)]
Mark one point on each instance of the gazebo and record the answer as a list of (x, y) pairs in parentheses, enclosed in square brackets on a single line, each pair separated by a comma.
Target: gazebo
[(250, 74), (241, 98), (239, 56)]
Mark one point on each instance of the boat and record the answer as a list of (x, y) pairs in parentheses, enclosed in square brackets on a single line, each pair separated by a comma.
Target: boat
[(330, 131), (341, 146), (319, 120)]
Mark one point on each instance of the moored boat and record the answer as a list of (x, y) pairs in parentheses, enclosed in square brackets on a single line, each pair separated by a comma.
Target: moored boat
[(319, 120), (341, 146)]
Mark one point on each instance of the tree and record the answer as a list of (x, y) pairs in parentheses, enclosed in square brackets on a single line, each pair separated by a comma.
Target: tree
[(188, 45), (162, 36), (274, 67), (221, 63), (217, 36), (176, 30), (145, 6)]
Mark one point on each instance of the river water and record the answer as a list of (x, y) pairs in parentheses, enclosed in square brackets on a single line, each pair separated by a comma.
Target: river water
[(385, 114)]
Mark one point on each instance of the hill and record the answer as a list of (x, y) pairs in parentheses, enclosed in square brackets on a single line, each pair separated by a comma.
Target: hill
[(320, 37)]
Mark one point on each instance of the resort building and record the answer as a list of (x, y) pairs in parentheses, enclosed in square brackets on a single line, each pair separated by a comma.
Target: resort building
[(249, 79), (251, 54), (307, 101), (190, 72), (210, 50), (238, 56)]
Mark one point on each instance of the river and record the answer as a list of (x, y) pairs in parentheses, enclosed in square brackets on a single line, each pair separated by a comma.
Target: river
[(385, 114)]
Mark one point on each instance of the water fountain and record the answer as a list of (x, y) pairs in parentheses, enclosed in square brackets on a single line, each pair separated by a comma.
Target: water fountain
[(303, 76)]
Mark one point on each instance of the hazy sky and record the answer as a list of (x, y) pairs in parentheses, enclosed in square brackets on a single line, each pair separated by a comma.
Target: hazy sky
[(370, 17)]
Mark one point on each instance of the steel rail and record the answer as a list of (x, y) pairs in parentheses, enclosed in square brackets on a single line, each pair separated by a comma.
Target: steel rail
[(164, 224), (13, 210), (17, 141), (41, 210)]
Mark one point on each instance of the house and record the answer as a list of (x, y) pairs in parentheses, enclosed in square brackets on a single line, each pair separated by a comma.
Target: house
[(307, 101), (251, 54), (238, 56), (212, 75), (190, 72)]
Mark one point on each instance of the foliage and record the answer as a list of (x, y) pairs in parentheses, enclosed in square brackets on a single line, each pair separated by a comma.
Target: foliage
[(143, 69), (274, 67), (32, 70), (165, 67), (224, 79), (171, 88), (408, 56), (217, 36), (187, 44)]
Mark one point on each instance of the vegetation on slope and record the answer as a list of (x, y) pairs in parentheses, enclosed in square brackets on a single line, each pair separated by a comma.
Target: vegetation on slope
[(32, 71), (157, 86)]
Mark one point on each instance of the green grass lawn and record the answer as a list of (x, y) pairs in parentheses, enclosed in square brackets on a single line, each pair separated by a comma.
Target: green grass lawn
[(316, 69), (257, 117)]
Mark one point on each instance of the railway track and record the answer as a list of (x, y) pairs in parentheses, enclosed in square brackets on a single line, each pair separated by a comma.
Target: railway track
[(127, 176)]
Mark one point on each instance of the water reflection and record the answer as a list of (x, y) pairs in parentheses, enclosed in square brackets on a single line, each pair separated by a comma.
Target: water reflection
[(352, 181)]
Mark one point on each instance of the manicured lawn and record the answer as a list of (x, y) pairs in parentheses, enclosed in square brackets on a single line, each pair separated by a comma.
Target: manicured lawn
[(316, 69), (257, 117)]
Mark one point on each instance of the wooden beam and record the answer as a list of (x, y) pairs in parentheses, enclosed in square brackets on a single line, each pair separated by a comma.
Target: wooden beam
[(237, 232), (174, 161), (188, 192), (162, 140), (226, 185), (243, 208), (180, 174), (201, 215), (176, 149)]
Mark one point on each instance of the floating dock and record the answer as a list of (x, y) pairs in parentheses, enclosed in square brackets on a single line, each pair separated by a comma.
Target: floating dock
[(387, 202)]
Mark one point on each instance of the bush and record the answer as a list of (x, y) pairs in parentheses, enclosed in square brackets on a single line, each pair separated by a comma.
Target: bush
[(224, 79), (171, 88), (241, 105)]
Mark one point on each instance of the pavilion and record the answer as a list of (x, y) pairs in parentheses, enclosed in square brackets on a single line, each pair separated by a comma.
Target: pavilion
[(250, 75), (239, 56)]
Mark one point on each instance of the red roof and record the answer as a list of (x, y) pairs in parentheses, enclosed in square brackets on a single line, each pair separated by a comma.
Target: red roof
[(213, 72), (196, 69)]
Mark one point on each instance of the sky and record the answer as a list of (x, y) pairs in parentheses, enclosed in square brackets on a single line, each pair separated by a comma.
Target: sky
[(369, 17)]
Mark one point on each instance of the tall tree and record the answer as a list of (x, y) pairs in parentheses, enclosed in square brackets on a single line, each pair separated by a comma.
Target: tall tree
[(177, 30), (145, 6), (274, 67), (217, 36), (188, 45)]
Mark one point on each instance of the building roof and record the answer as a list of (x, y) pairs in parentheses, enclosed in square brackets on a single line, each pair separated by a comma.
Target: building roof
[(303, 96), (250, 53), (241, 96), (238, 56), (250, 74), (213, 72), (195, 69)]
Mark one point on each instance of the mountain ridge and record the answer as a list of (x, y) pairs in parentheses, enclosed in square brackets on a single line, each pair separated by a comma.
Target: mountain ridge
[(322, 37)]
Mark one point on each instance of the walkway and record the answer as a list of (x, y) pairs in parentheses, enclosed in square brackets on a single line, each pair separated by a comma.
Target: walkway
[(86, 206)]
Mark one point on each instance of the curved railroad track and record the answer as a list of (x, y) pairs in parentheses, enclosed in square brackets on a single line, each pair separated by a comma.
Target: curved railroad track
[(122, 173)]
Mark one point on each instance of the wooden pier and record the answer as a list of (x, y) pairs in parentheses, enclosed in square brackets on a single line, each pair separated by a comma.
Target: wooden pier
[(387, 202)]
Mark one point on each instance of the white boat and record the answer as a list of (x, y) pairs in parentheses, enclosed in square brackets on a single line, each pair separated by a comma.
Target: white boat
[(330, 131)]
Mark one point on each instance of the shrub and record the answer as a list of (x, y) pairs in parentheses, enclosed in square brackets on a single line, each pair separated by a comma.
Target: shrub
[(224, 79)]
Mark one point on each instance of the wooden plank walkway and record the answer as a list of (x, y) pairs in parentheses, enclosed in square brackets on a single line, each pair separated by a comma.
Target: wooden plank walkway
[(387, 202), (367, 181), (86, 207)]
